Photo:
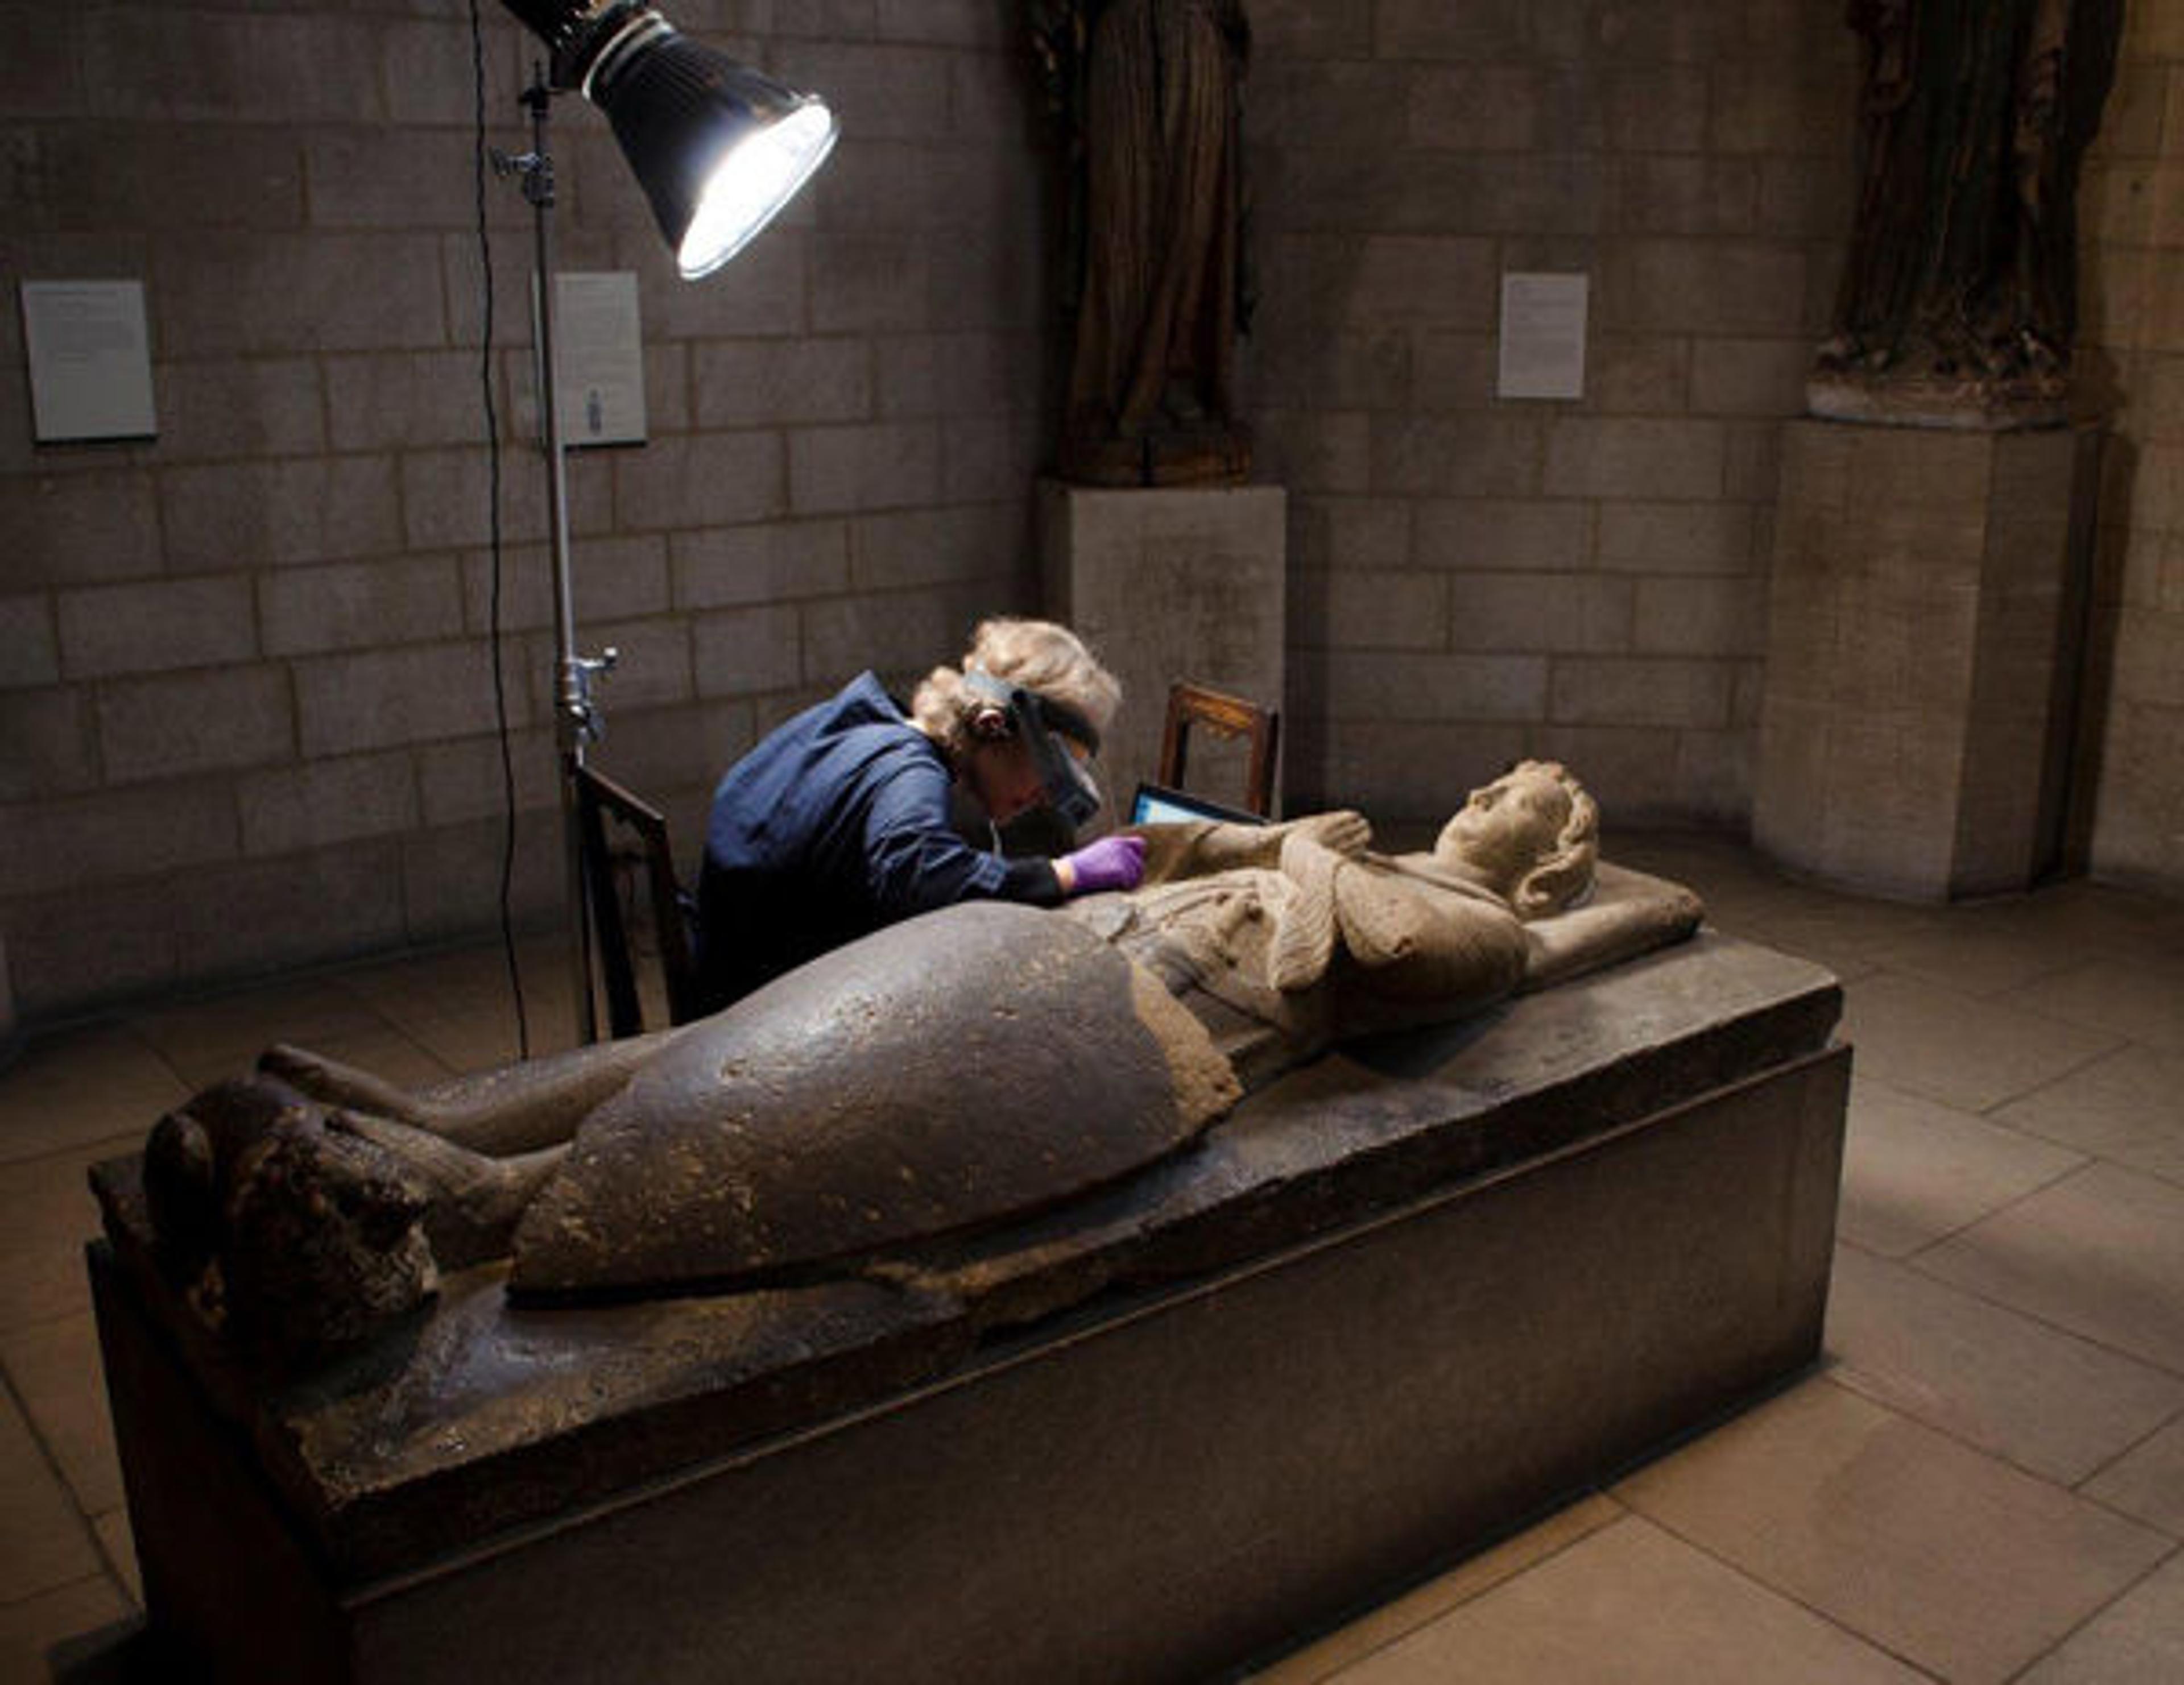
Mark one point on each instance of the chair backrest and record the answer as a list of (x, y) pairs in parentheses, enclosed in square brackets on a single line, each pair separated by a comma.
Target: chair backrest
[(1225, 716), (599, 799)]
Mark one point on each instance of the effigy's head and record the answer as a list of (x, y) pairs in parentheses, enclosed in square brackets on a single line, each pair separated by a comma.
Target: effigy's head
[(1533, 834), (282, 1227)]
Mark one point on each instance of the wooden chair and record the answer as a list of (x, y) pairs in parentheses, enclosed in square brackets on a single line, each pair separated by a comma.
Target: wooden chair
[(1225, 716), (599, 799)]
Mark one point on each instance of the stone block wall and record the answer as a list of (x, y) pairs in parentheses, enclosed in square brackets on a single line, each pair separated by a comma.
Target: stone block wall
[(2132, 348), (246, 698), (246, 708), (1475, 579)]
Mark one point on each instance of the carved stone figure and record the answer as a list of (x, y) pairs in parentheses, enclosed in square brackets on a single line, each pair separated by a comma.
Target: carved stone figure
[(976, 1065), (985, 1060), (1149, 94), (1958, 306), (1285, 939)]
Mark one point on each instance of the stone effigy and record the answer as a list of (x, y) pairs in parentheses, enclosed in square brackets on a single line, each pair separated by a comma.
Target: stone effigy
[(928, 1078), (1284, 940), (982, 1063)]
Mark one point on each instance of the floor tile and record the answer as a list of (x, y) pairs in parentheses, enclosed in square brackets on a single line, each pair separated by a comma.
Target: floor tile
[(2100, 1252), (1846, 935), (2128, 1107), (2138, 1640), (1630, 1605), (30, 1629), (417, 996), (1967, 1567), (1964, 950), (80, 1086), (57, 1373), (1915, 1170), (1326, 1659), (119, 1544), (50, 1214), (474, 969), (485, 1037), (2092, 919), (2138, 996), (207, 1041), (460, 1009), (386, 1053), (1953, 1047), (2147, 1482), (2047, 1401), (43, 1542)]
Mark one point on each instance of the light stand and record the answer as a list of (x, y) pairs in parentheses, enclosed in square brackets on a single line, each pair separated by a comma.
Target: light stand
[(718, 149), (577, 720)]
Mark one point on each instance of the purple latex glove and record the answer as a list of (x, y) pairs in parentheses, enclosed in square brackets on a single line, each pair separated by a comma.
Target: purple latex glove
[(1111, 862)]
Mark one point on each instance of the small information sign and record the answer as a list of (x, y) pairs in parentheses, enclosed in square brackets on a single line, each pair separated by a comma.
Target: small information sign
[(91, 360), (601, 352), (1543, 335)]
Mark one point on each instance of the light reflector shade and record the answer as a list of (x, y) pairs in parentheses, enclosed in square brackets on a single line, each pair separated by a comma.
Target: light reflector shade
[(717, 146)]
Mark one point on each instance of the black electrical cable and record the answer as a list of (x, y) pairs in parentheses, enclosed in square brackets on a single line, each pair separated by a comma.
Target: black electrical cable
[(481, 163)]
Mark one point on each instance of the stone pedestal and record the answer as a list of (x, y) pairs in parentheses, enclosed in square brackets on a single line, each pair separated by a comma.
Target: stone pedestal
[(1169, 584), (1922, 655)]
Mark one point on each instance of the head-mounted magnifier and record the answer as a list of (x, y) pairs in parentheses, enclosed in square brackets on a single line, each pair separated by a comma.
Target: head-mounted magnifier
[(1059, 739)]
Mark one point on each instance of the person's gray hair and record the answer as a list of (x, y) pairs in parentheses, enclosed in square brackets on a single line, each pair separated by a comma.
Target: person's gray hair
[(1038, 655)]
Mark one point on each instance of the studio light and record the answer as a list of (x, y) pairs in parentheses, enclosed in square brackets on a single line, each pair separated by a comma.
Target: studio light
[(719, 148)]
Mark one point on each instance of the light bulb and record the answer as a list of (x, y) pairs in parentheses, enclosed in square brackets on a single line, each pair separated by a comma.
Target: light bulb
[(752, 180)]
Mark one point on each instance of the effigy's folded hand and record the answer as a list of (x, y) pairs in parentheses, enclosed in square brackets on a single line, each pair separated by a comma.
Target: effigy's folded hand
[(1343, 832), (1305, 926)]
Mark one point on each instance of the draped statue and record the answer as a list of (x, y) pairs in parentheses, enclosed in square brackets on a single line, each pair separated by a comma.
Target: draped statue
[(1958, 305), (1149, 96)]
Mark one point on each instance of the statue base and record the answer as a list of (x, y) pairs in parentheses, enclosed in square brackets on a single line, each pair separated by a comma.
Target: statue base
[(1167, 586), (1392, 1306), (1171, 456), (1979, 406), (1925, 630)]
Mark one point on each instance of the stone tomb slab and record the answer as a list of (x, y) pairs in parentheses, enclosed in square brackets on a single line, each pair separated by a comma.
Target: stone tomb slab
[(1391, 1306)]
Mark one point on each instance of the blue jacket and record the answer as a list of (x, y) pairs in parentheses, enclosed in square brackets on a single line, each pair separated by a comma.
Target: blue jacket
[(836, 824)]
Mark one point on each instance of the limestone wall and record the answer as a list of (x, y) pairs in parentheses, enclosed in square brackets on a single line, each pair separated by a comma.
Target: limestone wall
[(245, 703), (2133, 304), (1479, 579), (245, 708)]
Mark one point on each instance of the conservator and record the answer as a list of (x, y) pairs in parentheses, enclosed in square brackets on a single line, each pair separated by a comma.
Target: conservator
[(840, 822)]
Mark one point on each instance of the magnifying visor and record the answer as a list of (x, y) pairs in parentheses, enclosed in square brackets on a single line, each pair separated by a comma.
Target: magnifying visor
[(1060, 741), (1063, 742)]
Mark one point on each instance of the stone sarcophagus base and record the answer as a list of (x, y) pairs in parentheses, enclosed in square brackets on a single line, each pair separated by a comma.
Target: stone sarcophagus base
[(1396, 1303), (1923, 651)]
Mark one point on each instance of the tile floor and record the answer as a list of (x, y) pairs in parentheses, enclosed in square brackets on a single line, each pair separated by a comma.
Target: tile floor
[(1983, 1483)]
